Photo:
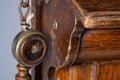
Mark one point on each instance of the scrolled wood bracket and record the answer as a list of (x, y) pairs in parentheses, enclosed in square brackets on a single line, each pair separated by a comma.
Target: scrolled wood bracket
[(74, 44), (64, 37)]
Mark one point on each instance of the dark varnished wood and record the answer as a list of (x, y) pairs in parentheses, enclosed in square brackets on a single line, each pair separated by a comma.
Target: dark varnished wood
[(100, 45), (99, 5), (98, 54)]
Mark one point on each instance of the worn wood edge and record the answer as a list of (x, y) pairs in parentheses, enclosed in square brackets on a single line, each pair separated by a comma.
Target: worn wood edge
[(77, 9), (74, 44), (108, 19), (96, 19), (36, 4)]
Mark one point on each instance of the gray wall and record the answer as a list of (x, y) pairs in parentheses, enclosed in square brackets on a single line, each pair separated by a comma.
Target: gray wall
[(9, 27)]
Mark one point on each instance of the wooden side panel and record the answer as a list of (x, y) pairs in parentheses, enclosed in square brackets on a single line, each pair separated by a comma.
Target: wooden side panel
[(102, 71), (109, 71), (84, 72)]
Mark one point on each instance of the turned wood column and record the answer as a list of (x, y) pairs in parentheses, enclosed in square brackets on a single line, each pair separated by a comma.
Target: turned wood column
[(23, 73)]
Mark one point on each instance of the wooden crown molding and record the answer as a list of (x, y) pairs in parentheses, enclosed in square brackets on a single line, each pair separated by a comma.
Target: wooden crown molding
[(97, 13)]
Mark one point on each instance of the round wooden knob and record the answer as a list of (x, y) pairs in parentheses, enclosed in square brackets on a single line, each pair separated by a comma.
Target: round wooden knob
[(29, 47)]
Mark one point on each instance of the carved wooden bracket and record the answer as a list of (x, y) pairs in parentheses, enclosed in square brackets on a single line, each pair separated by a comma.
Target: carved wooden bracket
[(64, 22)]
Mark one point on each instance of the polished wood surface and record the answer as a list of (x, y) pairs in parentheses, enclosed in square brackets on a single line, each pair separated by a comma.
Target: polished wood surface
[(104, 71), (100, 45), (83, 39), (23, 73), (84, 72)]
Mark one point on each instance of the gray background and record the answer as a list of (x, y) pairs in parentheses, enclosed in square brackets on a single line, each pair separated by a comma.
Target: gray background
[(9, 27)]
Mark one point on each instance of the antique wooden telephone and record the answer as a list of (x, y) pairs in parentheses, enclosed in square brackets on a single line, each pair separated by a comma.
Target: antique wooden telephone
[(69, 40)]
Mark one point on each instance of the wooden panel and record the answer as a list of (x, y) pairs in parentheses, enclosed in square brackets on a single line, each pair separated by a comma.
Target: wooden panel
[(84, 72), (109, 71), (100, 45), (101, 71)]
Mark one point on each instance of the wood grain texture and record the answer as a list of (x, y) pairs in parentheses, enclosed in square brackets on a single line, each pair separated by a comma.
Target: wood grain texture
[(99, 5), (84, 72), (100, 45), (109, 71), (100, 71), (102, 19)]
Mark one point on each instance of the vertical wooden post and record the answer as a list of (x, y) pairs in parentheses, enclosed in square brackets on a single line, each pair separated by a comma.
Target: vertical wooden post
[(23, 73)]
